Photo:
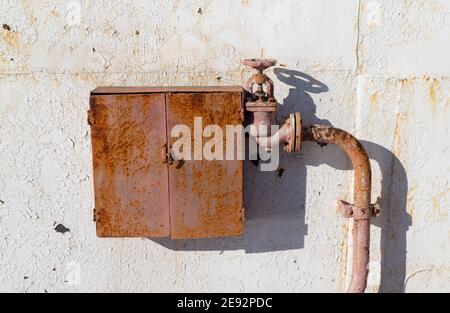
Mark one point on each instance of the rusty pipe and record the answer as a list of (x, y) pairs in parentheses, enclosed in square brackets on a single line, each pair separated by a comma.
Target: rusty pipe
[(362, 193), (263, 106)]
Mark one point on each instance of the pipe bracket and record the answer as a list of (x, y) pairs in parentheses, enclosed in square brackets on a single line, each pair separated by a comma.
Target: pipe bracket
[(350, 211)]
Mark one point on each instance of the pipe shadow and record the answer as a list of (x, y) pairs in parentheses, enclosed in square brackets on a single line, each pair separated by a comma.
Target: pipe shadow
[(394, 219), (299, 98), (275, 216)]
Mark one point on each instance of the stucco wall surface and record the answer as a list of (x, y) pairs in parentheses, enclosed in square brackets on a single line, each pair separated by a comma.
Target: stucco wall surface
[(379, 69)]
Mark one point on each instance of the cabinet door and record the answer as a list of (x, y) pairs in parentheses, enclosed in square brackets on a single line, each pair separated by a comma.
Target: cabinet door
[(205, 196), (130, 176)]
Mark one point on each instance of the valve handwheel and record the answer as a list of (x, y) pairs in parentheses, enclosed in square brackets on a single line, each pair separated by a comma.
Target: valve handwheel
[(260, 78), (259, 64)]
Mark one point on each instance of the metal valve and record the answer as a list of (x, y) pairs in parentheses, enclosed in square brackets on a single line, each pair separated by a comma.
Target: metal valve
[(260, 100), (263, 105)]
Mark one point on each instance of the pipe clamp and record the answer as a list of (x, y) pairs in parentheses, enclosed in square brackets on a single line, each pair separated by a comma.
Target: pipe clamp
[(350, 211)]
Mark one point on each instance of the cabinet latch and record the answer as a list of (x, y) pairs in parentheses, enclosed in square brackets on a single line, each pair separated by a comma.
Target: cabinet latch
[(95, 216)]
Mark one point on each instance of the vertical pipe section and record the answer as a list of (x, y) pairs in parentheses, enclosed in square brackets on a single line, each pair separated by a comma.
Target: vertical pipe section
[(362, 193)]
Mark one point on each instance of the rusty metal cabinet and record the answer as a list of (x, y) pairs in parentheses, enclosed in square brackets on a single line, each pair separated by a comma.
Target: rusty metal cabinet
[(137, 192)]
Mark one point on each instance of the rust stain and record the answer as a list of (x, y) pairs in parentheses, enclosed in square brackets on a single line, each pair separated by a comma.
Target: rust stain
[(130, 180), (10, 37), (398, 126), (395, 149), (437, 204), (409, 197), (205, 196), (406, 88), (149, 90), (374, 100), (404, 82), (54, 13), (433, 92)]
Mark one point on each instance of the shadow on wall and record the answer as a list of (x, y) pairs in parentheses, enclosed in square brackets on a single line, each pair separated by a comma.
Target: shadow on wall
[(275, 218), (394, 219)]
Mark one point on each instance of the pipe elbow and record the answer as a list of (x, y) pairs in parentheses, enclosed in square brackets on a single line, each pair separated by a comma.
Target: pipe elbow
[(263, 135), (362, 197)]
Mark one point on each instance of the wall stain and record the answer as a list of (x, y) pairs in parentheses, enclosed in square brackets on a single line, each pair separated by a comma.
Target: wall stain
[(10, 37), (374, 100), (410, 196), (433, 92), (436, 204)]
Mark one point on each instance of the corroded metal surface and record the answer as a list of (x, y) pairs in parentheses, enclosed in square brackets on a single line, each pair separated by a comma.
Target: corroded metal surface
[(362, 195), (146, 90), (133, 174), (262, 99), (205, 196), (130, 179), (356, 153), (348, 210), (298, 132)]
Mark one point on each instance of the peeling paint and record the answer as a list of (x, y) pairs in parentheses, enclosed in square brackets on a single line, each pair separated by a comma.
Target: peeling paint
[(60, 228)]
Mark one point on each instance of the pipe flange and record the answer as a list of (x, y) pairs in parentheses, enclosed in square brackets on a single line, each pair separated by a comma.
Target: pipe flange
[(294, 143), (290, 146), (298, 132)]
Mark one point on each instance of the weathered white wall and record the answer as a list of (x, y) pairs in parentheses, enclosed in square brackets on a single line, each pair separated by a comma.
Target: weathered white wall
[(379, 69)]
